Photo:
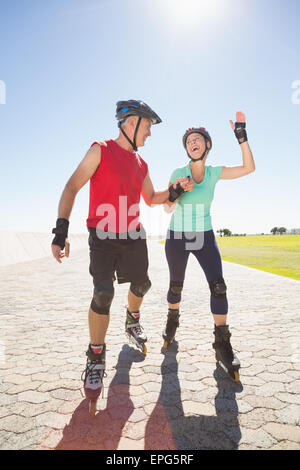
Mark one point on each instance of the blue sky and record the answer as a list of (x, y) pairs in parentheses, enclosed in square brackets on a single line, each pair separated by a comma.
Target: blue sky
[(66, 63)]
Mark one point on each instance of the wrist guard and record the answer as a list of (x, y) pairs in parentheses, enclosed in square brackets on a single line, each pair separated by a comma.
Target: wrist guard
[(240, 132), (175, 193), (61, 232)]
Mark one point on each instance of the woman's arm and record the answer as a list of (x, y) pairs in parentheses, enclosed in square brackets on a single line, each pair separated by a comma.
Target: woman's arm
[(248, 165)]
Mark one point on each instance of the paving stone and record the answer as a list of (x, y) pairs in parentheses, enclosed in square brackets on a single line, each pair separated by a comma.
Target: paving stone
[(15, 379), (257, 437), (33, 397), (289, 415), (265, 402), (254, 419), (283, 432), (53, 420), (17, 424), (190, 407), (17, 389), (286, 445), (288, 398)]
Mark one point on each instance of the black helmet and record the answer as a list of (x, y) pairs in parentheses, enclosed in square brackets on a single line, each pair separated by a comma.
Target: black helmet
[(136, 108), (201, 131)]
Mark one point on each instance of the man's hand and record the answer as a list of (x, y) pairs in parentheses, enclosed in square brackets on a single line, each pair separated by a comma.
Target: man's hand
[(58, 253), (60, 241)]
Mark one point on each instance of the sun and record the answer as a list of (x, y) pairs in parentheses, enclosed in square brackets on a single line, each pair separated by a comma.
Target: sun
[(192, 12)]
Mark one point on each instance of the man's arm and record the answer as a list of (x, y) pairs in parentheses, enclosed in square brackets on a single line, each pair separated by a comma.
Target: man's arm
[(79, 178), (150, 196), (168, 205)]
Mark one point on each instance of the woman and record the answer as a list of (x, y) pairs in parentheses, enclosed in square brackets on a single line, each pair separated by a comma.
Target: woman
[(191, 221)]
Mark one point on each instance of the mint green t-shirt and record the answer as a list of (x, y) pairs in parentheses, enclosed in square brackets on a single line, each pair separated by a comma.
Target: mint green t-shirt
[(192, 213)]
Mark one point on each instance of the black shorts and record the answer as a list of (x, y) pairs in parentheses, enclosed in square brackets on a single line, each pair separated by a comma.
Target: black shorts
[(126, 257)]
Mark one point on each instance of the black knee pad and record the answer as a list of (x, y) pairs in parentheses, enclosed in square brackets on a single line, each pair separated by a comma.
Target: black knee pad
[(174, 294), (102, 298), (139, 290), (218, 288)]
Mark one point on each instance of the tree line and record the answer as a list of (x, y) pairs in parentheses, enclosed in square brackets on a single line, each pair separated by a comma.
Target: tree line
[(225, 232)]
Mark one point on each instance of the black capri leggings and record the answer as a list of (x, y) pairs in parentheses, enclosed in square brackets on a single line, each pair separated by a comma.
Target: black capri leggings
[(177, 253)]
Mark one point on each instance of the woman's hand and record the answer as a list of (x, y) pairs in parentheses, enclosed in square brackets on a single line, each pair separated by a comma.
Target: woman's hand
[(187, 184), (248, 165), (240, 117)]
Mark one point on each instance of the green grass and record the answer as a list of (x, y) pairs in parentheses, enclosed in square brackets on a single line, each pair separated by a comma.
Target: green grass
[(278, 254)]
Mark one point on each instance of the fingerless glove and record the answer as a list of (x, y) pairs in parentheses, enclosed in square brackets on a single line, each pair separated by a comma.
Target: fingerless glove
[(240, 132), (61, 232), (175, 193)]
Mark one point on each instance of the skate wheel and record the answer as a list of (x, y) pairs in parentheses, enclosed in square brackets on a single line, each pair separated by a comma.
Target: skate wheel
[(144, 350), (93, 409), (236, 376), (166, 344)]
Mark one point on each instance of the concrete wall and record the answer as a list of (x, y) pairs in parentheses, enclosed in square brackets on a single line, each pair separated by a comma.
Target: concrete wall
[(16, 247)]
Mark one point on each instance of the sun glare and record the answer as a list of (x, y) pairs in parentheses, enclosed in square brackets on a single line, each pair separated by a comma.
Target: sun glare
[(191, 12)]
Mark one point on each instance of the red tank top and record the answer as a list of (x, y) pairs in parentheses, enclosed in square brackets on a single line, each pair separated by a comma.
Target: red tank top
[(115, 189)]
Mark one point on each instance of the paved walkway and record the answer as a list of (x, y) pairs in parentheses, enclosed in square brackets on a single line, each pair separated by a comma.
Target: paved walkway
[(177, 401)]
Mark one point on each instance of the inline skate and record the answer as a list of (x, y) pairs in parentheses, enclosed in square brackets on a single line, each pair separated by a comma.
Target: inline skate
[(135, 331), (225, 356), (171, 327), (93, 375)]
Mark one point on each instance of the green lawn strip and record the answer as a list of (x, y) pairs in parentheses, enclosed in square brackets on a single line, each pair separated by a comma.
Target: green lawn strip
[(274, 254), (277, 254)]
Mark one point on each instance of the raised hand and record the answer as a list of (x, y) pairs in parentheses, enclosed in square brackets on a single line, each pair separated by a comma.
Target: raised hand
[(239, 117)]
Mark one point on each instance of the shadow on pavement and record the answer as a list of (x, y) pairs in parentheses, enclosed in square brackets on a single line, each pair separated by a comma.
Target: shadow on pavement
[(105, 430), (168, 428)]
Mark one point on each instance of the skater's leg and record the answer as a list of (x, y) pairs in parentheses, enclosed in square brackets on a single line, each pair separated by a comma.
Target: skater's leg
[(133, 327), (134, 302), (209, 259), (136, 294), (99, 311), (220, 320), (177, 258), (98, 325), (174, 306)]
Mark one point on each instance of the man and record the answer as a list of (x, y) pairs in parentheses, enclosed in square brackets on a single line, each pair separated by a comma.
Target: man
[(118, 176)]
